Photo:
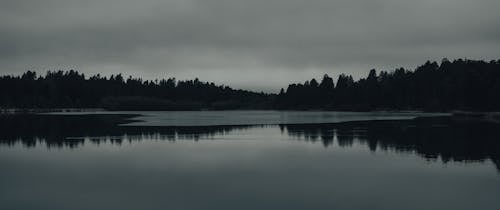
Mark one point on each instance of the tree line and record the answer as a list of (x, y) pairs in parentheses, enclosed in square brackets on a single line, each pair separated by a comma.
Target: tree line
[(71, 89), (451, 85)]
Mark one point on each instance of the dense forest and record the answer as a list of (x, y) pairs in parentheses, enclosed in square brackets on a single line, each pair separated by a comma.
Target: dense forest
[(451, 85), (70, 89), (458, 85)]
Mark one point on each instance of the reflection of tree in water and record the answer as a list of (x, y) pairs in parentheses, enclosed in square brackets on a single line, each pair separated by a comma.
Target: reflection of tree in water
[(433, 138), (74, 130), (436, 138)]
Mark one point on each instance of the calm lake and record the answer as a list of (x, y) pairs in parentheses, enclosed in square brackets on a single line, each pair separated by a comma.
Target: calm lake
[(248, 160)]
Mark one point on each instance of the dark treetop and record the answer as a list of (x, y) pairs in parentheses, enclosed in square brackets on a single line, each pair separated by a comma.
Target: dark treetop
[(457, 85)]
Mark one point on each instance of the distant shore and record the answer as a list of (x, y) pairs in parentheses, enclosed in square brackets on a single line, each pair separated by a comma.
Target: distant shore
[(475, 116), (44, 110), (455, 114)]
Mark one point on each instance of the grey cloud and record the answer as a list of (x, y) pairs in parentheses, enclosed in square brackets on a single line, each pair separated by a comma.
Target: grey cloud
[(243, 43)]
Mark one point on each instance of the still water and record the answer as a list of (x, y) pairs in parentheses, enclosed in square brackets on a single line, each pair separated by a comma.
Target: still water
[(111, 161)]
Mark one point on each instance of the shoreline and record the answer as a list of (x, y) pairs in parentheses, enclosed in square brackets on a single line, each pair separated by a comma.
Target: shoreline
[(45, 110), (460, 115), (475, 116)]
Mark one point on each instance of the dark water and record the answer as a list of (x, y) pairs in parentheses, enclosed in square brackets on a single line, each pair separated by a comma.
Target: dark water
[(90, 162)]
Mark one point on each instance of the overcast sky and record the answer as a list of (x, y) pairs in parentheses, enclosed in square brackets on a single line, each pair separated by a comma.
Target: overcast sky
[(255, 44)]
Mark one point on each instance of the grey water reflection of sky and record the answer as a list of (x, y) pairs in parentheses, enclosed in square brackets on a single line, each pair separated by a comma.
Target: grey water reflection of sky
[(257, 168)]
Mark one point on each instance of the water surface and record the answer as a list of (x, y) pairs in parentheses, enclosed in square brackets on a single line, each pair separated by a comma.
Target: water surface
[(91, 162)]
